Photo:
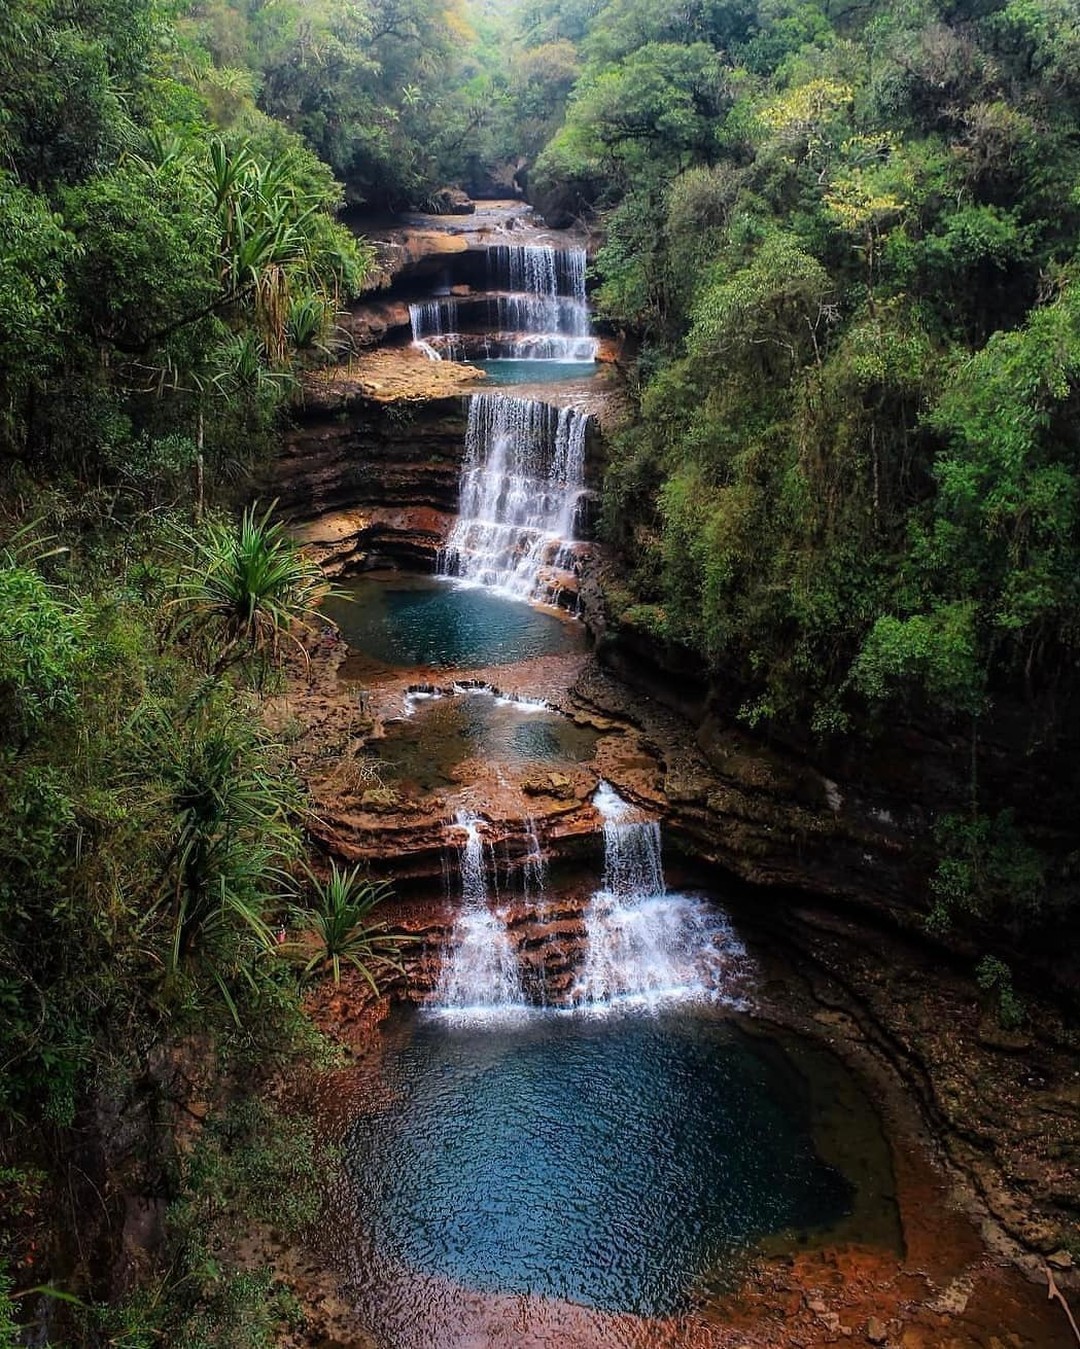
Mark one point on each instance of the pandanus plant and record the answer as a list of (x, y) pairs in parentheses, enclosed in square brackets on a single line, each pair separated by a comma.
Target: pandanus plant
[(308, 320), (340, 918), (273, 250), (229, 833), (247, 588)]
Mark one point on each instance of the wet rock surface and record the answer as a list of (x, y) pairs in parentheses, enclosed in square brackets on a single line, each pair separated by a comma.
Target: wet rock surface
[(337, 708)]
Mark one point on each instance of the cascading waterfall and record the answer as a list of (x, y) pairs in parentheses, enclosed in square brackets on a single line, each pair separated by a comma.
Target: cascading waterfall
[(521, 486), (479, 973), (644, 945), (537, 310), (540, 311)]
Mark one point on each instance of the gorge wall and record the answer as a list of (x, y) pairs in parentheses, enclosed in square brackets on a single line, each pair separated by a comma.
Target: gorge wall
[(369, 476)]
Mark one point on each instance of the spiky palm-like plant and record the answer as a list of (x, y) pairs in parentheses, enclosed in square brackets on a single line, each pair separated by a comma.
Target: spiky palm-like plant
[(307, 323), (229, 815), (340, 916), (248, 586)]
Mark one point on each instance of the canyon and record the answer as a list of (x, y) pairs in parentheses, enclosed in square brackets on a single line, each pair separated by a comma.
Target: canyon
[(491, 786)]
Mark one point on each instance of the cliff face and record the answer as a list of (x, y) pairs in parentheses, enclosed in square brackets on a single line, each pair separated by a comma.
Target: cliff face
[(856, 820), (370, 483)]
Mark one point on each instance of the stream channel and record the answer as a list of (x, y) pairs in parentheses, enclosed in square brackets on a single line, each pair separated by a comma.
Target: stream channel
[(582, 1123)]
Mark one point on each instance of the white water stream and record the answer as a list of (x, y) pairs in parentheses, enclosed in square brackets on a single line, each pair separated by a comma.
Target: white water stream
[(522, 482), (479, 973), (645, 945)]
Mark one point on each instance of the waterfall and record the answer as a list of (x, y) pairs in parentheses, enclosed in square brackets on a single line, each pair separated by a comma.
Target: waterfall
[(536, 310), (644, 945), (479, 974), (540, 311), (521, 485), (435, 321), (632, 866), (534, 871)]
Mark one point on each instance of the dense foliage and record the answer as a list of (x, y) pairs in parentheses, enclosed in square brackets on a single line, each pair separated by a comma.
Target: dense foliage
[(159, 272), (847, 242), (844, 241), (150, 836), (169, 258), (380, 89)]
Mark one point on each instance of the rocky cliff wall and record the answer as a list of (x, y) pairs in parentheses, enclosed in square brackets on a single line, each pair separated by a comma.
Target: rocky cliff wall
[(371, 483)]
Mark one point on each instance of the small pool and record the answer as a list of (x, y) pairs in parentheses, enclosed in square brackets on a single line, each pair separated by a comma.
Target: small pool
[(422, 750), (625, 1165), (537, 372), (407, 622)]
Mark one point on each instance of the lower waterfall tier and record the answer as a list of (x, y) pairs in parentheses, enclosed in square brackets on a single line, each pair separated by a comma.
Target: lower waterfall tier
[(510, 949)]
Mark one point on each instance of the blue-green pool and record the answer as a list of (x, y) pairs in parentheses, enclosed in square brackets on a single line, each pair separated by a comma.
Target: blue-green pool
[(409, 622), (537, 372), (619, 1163)]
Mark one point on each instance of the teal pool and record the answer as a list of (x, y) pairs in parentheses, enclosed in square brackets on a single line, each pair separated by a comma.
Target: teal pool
[(408, 622), (622, 1164), (537, 372)]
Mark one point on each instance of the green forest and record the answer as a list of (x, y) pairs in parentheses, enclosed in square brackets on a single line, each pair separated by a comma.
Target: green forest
[(838, 243)]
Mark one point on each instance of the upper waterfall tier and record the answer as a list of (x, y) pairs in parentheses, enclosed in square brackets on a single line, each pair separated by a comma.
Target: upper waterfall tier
[(536, 309), (521, 487)]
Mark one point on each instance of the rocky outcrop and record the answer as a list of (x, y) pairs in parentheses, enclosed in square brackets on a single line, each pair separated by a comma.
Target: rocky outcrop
[(365, 539), (369, 322), (376, 482), (381, 377), (405, 250)]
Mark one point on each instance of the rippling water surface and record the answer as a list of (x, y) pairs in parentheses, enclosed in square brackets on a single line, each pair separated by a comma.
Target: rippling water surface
[(424, 749), (411, 621), (614, 1165), (537, 372)]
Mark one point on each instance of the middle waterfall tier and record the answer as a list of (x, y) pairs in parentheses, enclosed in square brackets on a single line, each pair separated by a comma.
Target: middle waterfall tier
[(536, 309), (522, 484)]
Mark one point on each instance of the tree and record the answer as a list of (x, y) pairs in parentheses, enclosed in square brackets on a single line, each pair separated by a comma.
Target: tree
[(642, 120), (771, 316)]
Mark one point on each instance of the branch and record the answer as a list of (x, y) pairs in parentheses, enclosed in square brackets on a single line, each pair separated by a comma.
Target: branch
[(1056, 1295)]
